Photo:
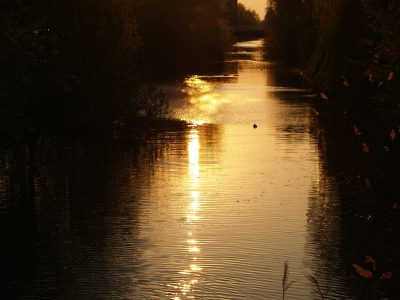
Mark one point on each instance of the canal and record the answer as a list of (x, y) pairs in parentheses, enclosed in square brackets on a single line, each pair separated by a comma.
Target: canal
[(210, 211)]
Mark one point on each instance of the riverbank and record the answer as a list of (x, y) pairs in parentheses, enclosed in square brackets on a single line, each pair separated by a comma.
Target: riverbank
[(363, 157)]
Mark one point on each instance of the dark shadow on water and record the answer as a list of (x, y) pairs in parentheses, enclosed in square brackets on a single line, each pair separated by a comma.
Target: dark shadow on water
[(71, 213), (59, 206), (350, 224)]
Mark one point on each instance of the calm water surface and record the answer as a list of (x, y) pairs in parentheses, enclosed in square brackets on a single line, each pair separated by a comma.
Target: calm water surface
[(208, 212)]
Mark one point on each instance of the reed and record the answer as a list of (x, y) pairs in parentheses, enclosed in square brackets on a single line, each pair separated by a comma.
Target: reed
[(312, 279), (285, 284)]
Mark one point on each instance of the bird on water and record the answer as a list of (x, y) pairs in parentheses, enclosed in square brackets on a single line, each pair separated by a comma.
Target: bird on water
[(254, 126)]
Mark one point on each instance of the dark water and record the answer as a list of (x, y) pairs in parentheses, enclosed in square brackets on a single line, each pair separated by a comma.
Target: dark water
[(211, 211)]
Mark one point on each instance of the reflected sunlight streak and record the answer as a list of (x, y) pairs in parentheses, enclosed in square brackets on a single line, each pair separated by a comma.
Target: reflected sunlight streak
[(193, 148), (191, 218), (195, 268), (193, 178)]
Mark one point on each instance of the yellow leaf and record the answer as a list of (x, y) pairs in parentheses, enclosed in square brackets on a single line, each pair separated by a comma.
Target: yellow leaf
[(362, 272), (368, 182), (392, 134), (369, 259), (323, 96), (387, 275), (356, 131)]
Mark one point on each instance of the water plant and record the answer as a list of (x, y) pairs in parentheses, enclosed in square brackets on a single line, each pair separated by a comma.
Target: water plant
[(285, 284), (314, 280)]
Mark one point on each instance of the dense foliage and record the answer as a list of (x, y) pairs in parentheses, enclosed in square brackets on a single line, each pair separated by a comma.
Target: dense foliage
[(66, 64), (286, 21), (332, 39), (181, 35), (71, 66), (348, 48)]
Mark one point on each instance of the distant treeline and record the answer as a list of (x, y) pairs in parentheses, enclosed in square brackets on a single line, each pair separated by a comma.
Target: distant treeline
[(72, 65)]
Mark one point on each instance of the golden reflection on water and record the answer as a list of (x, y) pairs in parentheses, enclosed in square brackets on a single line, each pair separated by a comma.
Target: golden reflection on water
[(205, 101), (257, 179), (185, 285), (193, 149), (199, 84)]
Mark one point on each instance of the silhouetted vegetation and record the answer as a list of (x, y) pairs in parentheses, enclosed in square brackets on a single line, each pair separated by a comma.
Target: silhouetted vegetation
[(314, 281), (66, 65), (339, 43), (182, 35), (247, 16), (285, 284), (69, 67), (286, 21)]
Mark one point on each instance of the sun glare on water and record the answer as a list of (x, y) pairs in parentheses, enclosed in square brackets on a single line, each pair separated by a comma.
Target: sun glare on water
[(203, 100)]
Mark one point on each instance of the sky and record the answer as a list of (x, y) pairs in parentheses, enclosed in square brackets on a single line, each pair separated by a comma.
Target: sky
[(257, 5)]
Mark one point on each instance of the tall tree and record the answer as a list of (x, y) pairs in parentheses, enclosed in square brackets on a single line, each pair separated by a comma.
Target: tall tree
[(285, 20), (182, 34), (247, 16), (340, 29), (384, 66), (20, 55), (93, 70), (67, 64)]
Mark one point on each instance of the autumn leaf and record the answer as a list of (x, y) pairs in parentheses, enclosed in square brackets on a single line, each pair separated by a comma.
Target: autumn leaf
[(369, 259), (356, 131), (323, 96), (386, 275), (392, 135), (362, 272), (368, 182)]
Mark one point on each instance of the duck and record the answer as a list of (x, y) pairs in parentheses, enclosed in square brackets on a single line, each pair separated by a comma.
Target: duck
[(255, 126)]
